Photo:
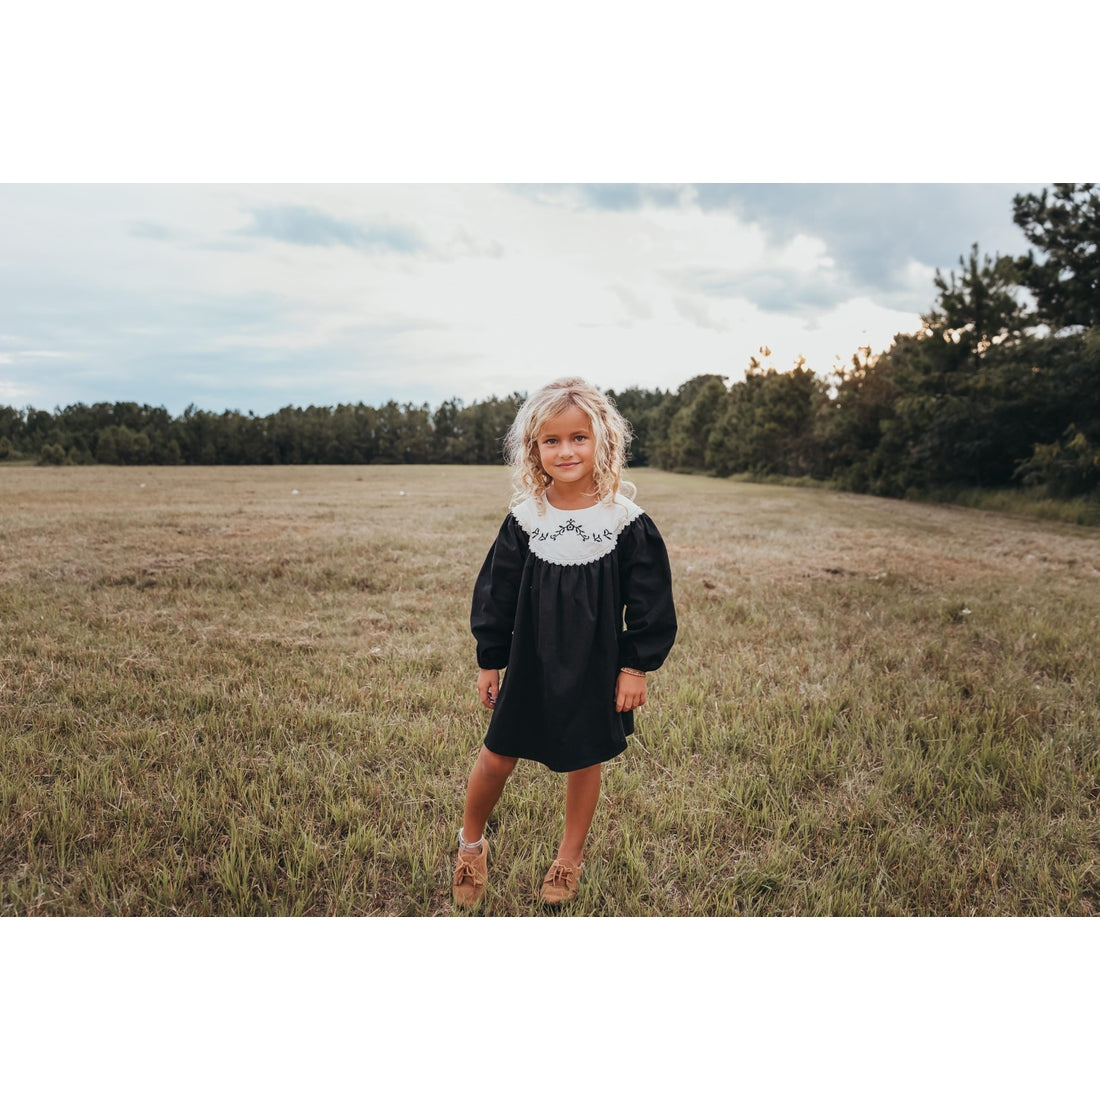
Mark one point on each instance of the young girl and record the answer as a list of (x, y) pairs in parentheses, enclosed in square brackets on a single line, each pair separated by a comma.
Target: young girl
[(575, 559)]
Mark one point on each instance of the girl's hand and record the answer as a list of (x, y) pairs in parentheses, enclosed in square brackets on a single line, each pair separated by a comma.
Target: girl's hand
[(629, 691), (488, 686)]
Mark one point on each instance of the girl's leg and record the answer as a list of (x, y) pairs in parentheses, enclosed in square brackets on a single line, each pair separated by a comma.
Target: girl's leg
[(491, 771), (582, 792)]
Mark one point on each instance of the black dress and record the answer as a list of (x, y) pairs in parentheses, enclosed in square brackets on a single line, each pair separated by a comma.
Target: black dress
[(564, 600)]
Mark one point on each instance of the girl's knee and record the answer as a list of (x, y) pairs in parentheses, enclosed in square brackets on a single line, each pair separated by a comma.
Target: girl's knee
[(586, 775), (495, 765)]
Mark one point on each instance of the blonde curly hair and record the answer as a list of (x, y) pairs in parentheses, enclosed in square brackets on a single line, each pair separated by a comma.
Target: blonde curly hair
[(610, 432)]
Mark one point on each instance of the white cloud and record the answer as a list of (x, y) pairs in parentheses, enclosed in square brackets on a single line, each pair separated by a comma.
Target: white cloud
[(804, 253), (411, 292), (636, 306), (699, 313)]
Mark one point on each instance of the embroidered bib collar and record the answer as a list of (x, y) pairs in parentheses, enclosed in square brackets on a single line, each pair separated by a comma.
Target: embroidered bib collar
[(574, 537)]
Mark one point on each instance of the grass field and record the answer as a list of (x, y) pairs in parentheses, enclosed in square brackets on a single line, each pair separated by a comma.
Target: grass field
[(251, 691)]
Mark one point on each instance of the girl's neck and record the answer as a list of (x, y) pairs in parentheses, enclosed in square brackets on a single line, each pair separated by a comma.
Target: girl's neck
[(570, 498)]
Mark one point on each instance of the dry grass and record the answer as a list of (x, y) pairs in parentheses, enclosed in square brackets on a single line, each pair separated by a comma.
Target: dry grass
[(219, 696)]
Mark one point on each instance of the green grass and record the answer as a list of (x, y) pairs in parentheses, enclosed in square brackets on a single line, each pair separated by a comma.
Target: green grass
[(221, 697), (1034, 502)]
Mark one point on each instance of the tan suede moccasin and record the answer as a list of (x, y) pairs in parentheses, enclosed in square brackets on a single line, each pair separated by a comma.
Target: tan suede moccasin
[(471, 876), (562, 882)]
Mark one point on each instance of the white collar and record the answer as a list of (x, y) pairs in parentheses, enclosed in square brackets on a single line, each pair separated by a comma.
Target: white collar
[(575, 536)]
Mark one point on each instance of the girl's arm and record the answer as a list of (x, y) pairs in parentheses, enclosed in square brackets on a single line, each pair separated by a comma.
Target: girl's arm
[(496, 593), (650, 613)]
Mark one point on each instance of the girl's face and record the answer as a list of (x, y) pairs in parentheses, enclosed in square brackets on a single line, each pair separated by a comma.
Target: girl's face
[(567, 450)]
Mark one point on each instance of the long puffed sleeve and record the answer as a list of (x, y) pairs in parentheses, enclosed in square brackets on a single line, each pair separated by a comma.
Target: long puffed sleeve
[(493, 614), (646, 581)]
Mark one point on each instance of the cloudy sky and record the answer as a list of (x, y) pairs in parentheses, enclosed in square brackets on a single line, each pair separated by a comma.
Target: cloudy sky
[(259, 296), (255, 296)]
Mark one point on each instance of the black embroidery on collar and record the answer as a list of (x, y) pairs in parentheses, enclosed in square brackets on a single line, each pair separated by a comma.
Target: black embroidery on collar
[(540, 535)]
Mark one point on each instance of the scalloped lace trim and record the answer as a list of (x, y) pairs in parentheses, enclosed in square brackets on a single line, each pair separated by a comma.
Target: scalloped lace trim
[(565, 537)]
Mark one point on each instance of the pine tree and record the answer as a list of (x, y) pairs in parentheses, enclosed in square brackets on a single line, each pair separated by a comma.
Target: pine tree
[(1066, 226)]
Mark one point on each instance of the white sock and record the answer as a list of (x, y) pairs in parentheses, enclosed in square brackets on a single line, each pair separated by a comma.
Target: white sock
[(475, 847)]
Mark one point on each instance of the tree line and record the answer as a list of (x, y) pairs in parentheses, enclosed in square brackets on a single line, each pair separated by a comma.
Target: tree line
[(999, 386), (125, 433)]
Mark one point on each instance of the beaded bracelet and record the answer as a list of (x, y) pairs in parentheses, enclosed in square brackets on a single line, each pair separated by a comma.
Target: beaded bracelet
[(633, 672)]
